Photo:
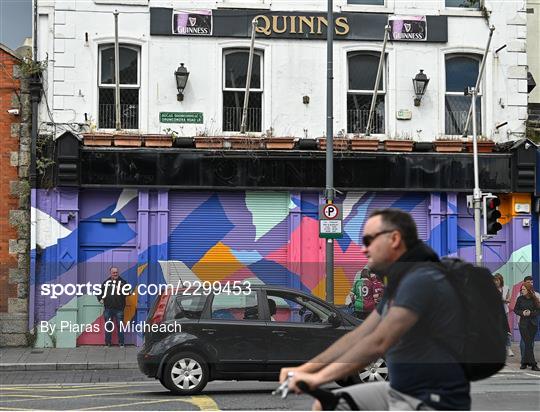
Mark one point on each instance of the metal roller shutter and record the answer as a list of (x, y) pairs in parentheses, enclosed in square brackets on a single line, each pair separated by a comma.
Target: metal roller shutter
[(247, 224)]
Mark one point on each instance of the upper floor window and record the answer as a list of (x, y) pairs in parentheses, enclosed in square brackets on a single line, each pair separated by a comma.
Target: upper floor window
[(362, 75), (367, 2), (235, 67), (129, 87), (469, 4), (461, 72)]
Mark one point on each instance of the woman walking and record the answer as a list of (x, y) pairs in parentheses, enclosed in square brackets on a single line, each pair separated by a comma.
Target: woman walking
[(527, 308), (505, 295)]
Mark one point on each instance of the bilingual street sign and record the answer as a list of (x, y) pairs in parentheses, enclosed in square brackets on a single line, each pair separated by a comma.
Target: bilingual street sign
[(181, 117), (330, 221)]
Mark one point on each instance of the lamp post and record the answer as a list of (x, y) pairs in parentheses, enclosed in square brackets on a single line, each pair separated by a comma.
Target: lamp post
[(181, 75), (420, 83)]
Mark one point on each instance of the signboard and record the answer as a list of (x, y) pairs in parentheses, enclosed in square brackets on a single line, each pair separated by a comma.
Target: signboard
[(408, 28), (330, 221), (181, 117), (404, 114), (236, 23), (192, 23)]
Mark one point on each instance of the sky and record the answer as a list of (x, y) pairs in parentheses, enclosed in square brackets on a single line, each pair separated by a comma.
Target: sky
[(15, 22)]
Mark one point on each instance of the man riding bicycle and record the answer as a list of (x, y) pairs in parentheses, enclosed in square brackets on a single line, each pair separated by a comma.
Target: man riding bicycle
[(417, 327)]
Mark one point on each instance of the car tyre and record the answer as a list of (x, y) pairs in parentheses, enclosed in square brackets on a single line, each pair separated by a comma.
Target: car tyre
[(186, 373)]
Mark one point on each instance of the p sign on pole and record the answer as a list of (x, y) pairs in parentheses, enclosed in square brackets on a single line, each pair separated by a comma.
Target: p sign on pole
[(330, 221)]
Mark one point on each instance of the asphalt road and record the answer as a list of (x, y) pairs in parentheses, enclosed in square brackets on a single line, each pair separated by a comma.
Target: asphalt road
[(128, 390)]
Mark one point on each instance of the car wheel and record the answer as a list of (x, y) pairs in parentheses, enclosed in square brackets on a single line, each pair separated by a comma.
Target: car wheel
[(375, 372), (186, 374)]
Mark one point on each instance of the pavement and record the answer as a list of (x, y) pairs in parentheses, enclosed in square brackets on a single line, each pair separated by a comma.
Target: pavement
[(114, 357)]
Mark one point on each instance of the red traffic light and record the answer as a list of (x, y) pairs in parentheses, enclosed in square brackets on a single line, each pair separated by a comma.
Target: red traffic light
[(493, 203)]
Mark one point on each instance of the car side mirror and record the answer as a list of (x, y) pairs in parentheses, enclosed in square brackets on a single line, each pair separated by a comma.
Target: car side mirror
[(334, 320)]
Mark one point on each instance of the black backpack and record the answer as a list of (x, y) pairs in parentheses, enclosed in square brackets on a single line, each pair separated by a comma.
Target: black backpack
[(486, 325)]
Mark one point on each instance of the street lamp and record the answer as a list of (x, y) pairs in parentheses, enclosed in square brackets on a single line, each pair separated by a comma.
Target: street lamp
[(420, 83), (181, 75)]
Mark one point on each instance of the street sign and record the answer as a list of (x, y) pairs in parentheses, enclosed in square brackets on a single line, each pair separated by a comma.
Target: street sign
[(330, 211), (181, 117), (330, 221)]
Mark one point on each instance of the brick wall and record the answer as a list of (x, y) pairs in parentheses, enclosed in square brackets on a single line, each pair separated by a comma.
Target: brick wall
[(14, 195)]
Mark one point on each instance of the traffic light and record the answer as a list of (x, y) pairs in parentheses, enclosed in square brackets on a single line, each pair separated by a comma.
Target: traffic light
[(491, 215)]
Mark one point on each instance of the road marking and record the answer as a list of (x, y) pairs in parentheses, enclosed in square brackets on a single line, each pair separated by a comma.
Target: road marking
[(60, 389), (14, 409), (80, 396), (127, 404), (204, 403)]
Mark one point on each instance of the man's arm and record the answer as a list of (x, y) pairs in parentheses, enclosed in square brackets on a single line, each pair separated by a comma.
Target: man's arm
[(334, 351), (371, 347)]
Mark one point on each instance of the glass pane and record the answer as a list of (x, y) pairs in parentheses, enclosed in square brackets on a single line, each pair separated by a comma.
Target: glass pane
[(457, 108), (235, 307), (374, 2), (461, 72), (363, 71), (128, 66), (186, 307), (129, 108), (463, 3), (233, 104), (358, 106), (236, 66), (297, 309)]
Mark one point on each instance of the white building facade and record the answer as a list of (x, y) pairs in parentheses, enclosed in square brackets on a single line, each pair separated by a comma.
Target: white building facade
[(289, 80)]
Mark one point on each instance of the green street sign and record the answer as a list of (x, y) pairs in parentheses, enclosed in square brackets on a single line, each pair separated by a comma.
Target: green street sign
[(181, 117)]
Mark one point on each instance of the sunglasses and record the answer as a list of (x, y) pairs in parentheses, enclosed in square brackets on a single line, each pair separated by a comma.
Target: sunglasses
[(368, 239)]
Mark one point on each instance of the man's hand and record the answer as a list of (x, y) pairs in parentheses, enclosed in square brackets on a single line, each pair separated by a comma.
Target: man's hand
[(311, 379), (101, 301), (526, 312), (285, 371)]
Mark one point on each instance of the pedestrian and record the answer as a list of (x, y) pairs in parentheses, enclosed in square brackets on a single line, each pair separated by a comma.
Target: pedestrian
[(505, 295), (528, 280), (419, 303), (362, 295), (527, 308), (113, 297), (378, 287)]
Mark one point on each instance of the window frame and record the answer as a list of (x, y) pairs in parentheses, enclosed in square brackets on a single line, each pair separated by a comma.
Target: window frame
[(382, 92), (480, 95), (138, 49), (480, 4), (229, 51), (107, 46)]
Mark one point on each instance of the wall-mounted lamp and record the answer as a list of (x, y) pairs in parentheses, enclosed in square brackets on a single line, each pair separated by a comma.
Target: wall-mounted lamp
[(420, 83), (181, 75)]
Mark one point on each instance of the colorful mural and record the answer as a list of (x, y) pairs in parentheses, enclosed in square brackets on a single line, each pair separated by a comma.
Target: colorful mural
[(160, 237)]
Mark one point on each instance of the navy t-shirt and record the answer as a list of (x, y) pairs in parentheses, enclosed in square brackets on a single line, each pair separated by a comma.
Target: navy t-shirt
[(421, 364)]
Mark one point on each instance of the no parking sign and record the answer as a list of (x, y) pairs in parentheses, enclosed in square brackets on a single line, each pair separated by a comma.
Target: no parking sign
[(330, 221)]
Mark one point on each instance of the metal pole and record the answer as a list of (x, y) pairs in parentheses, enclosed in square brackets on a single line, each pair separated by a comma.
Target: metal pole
[(248, 80), (117, 72), (477, 193), (330, 146), (480, 76), (377, 80)]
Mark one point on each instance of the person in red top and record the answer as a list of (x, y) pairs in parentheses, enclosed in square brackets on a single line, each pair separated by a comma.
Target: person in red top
[(378, 287)]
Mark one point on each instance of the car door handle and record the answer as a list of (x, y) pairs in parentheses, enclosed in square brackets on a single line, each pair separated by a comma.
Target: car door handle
[(209, 331), (279, 332)]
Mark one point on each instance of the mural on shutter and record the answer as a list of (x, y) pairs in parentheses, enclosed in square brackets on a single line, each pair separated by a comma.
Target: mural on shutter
[(228, 236)]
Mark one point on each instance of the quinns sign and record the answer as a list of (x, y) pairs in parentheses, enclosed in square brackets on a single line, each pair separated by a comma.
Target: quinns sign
[(192, 23), (408, 28)]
